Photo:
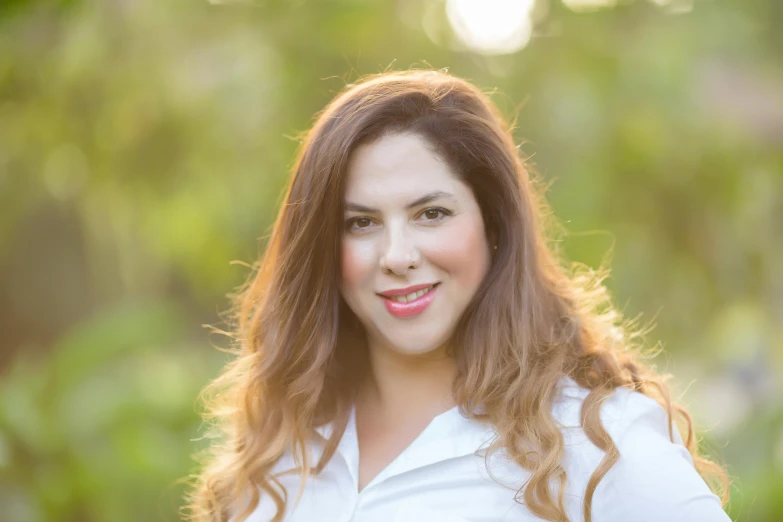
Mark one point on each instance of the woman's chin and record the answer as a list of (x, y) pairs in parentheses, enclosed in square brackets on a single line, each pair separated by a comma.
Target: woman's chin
[(415, 347)]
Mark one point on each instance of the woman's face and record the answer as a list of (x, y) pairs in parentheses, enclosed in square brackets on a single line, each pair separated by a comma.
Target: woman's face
[(409, 222)]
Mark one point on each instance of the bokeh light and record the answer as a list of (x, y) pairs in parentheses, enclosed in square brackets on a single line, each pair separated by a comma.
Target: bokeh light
[(588, 5), (491, 26)]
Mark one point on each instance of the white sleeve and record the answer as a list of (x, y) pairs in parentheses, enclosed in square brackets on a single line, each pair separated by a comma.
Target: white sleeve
[(655, 479)]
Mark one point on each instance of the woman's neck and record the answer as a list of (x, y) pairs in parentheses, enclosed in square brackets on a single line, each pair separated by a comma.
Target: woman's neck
[(401, 386)]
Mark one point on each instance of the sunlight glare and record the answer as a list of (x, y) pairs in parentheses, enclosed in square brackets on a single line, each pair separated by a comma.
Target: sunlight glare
[(675, 6), (588, 5), (491, 26)]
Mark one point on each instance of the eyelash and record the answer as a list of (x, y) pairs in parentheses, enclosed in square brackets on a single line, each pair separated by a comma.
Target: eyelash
[(349, 223)]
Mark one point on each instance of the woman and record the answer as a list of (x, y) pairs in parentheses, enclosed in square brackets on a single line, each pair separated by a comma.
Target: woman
[(411, 349)]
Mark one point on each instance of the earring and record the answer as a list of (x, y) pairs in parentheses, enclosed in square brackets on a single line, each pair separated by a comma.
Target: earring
[(495, 247)]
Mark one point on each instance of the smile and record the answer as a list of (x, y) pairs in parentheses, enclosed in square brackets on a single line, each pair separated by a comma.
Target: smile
[(410, 305), (412, 296)]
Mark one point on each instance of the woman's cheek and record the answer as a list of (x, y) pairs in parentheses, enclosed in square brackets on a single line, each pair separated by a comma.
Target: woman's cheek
[(462, 251), (353, 266)]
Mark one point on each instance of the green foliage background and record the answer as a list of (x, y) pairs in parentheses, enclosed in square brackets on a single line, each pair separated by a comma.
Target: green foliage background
[(144, 144)]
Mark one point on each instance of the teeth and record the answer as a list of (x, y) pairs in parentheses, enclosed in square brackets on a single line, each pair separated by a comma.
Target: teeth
[(410, 297)]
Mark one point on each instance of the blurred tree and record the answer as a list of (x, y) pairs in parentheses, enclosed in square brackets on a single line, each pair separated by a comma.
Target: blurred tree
[(143, 146)]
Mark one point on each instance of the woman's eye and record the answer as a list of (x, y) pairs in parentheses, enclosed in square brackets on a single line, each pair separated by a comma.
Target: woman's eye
[(432, 214), (357, 223)]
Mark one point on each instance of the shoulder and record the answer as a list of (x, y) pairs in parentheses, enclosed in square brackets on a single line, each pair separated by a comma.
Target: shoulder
[(654, 479), (621, 410)]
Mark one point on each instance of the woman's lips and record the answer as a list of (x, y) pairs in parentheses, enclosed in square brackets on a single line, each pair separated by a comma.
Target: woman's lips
[(411, 308)]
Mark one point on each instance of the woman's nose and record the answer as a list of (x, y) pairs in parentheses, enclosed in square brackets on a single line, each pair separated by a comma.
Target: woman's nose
[(399, 253)]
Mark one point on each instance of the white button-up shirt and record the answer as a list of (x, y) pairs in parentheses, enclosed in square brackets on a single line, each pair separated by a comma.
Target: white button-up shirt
[(442, 475)]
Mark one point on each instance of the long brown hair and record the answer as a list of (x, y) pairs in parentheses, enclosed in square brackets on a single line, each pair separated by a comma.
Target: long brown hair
[(532, 321)]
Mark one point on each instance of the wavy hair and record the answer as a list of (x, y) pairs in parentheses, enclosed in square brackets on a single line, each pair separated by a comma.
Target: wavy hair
[(533, 319)]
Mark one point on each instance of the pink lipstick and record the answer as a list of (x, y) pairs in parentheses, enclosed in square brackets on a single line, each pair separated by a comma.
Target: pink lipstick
[(411, 308)]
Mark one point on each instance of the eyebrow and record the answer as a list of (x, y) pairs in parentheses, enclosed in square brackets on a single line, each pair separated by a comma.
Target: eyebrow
[(426, 198)]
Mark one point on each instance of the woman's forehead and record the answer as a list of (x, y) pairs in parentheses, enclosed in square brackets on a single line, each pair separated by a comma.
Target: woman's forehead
[(400, 166)]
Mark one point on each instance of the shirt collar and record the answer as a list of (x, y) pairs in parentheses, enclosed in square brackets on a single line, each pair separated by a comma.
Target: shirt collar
[(449, 435)]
